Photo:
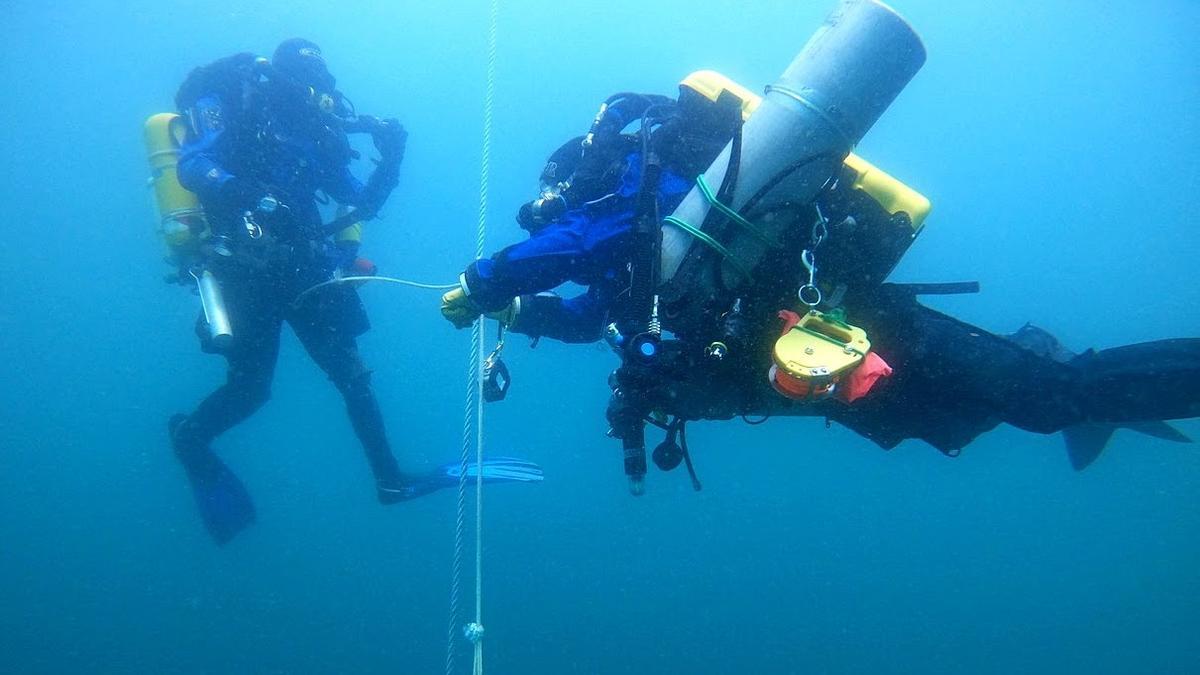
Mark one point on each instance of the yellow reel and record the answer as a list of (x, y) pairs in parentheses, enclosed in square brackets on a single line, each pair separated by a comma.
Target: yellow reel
[(814, 353)]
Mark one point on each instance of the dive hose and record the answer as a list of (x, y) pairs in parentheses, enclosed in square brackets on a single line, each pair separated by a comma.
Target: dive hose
[(391, 280)]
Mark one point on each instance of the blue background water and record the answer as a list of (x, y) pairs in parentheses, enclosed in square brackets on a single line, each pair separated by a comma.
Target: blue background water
[(1058, 142)]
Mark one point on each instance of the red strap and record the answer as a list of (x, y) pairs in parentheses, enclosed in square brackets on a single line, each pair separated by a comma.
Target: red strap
[(860, 381), (790, 320)]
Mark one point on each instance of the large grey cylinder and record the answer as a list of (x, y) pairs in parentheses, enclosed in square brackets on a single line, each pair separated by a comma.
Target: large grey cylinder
[(219, 328), (843, 79)]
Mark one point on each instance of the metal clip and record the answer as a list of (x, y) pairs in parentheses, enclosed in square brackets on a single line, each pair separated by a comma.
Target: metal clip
[(809, 294), (496, 378), (252, 228), (820, 230)]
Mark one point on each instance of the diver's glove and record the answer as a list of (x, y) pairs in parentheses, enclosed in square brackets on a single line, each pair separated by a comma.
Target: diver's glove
[(458, 309), (390, 140)]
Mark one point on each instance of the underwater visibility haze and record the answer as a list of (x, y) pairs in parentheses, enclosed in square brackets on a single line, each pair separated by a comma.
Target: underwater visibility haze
[(1059, 143)]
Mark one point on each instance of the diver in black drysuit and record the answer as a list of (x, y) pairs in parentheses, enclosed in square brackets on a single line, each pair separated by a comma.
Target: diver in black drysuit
[(951, 382), (954, 381), (258, 150)]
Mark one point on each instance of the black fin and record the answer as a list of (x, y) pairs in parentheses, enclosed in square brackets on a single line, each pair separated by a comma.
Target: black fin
[(1159, 430), (1085, 443)]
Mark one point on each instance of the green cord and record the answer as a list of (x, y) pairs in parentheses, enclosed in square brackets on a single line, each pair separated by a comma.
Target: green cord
[(711, 198), (837, 316), (710, 242), (736, 217)]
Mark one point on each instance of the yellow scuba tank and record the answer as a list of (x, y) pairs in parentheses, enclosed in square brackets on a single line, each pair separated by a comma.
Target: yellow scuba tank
[(181, 218), (894, 196), (710, 84), (349, 238), (351, 235)]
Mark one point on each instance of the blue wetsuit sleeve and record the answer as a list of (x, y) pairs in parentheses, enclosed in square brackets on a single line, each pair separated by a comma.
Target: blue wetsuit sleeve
[(537, 264), (579, 319), (204, 153)]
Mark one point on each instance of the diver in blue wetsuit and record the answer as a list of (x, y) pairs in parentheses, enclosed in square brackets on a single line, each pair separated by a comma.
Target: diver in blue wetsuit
[(581, 225), (586, 245), (929, 376), (264, 139)]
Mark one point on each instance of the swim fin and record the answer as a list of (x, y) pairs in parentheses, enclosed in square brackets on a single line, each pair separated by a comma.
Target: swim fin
[(224, 503), (1085, 442), (497, 470)]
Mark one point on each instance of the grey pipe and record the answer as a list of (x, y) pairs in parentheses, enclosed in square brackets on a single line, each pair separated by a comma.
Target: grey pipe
[(810, 119), (213, 304)]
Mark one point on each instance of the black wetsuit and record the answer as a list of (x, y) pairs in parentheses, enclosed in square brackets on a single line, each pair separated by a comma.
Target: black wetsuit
[(231, 159), (953, 381), (259, 300)]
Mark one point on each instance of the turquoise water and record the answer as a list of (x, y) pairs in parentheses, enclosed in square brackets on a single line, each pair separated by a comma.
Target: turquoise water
[(1058, 141)]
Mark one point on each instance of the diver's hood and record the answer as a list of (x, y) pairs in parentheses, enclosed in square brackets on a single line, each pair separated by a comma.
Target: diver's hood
[(301, 61)]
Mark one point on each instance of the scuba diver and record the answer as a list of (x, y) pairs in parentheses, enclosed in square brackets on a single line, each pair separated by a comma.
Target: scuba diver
[(260, 140), (727, 241)]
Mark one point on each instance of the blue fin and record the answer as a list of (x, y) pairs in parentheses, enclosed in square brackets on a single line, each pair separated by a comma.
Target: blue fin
[(495, 470), (224, 503)]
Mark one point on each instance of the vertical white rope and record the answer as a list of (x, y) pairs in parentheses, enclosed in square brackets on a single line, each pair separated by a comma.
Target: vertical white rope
[(484, 180), (473, 419), (470, 436)]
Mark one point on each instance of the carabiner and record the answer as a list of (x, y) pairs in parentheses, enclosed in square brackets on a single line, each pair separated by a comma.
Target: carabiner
[(252, 228), (496, 379)]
